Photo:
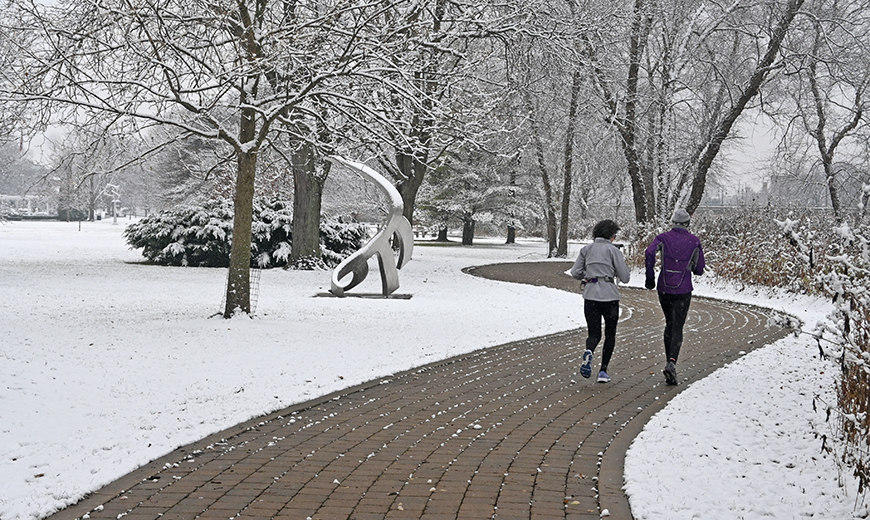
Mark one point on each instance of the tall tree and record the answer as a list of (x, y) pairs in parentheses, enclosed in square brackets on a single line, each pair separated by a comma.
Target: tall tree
[(832, 68), (748, 90), (546, 72), (568, 163), (447, 62), (540, 158), (240, 72), (673, 86)]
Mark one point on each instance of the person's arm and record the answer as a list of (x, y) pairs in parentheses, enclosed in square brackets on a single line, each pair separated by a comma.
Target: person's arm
[(650, 263), (578, 271), (698, 268), (619, 266)]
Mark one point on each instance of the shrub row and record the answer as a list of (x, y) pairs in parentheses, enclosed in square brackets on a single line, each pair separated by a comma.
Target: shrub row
[(202, 237), (749, 248)]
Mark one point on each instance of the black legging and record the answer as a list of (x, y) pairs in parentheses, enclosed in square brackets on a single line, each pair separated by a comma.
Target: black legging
[(676, 308), (594, 311)]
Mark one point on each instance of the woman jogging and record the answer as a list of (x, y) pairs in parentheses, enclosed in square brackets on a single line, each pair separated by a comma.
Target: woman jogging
[(598, 265), (682, 256)]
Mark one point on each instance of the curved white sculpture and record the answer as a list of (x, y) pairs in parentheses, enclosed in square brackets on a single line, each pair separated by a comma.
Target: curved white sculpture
[(396, 227)]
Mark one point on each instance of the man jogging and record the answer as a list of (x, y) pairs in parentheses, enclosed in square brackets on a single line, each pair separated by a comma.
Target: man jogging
[(599, 264), (682, 256)]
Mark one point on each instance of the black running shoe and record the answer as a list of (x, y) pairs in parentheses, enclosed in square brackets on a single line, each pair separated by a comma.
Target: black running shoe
[(670, 373), (586, 366)]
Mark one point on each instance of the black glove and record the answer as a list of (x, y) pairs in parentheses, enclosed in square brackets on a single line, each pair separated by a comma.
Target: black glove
[(650, 283)]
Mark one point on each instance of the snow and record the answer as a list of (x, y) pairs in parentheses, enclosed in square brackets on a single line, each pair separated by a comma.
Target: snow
[(107, 363)]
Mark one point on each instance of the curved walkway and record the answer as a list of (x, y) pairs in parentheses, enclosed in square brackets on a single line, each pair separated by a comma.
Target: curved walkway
[(509, 432)]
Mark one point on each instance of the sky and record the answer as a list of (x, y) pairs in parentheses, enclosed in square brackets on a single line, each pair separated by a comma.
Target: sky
[(107, 363), (747, 158)]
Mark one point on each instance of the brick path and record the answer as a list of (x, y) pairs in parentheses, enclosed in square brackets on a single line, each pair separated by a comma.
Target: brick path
[(509, 432)]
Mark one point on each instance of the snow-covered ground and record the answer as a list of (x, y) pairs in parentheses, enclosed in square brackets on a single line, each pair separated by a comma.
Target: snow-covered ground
[(107, 363)]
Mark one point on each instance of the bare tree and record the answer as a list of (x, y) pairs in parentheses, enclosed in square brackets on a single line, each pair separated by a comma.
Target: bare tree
[(747, 92), (675, 84), (830, 70), (539, 154), (448, 58), (545, 69), (246, 73), (19, 176), (86, 162)]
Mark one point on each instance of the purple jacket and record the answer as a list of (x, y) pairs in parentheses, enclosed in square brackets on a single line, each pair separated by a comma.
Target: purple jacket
[(682, 255)]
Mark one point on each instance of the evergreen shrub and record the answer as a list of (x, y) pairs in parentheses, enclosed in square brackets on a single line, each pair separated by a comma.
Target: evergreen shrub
[(201, 236)]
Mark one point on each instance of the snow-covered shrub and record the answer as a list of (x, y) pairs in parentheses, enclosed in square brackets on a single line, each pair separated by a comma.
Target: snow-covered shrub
[(844, 274), (808, 253), (202, 236), (194, 236), (338, 240), (746, 246), (271, 233)]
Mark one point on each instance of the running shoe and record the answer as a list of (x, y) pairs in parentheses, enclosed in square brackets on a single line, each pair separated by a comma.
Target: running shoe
[(603, 377), (586, 366), (670, 373)]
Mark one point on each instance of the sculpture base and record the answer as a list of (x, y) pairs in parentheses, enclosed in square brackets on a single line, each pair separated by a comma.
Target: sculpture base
[(377, 296)]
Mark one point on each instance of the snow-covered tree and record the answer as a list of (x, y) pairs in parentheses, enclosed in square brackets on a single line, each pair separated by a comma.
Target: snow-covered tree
[(825, 94), (673, 83), (18, 175), (450, 59), (477, 187), (251, 74)]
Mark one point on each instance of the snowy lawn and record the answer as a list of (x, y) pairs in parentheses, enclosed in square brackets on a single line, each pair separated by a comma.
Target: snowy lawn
[(745, 442), (107, 363)]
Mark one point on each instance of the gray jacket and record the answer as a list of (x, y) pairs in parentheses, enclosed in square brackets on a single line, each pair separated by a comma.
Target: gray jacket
[(597, 261)]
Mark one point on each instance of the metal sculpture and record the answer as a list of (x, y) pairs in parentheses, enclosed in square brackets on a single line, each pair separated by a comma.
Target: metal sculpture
[(396, 227)]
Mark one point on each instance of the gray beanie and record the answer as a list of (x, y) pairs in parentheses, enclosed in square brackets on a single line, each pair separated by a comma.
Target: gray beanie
[(681, 218)]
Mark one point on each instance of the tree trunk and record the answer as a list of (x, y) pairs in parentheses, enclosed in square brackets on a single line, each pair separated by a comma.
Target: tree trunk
[(549, 207), (827, 151), (413, 170), (442, 234), (511, 230), (92, 201), (865, 200), (238, 295), (467, 231), (626, 125), (833, 191), (568, 176), (724, 128), (641, 181), (239, 277), (307, 200), (660, 160)]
